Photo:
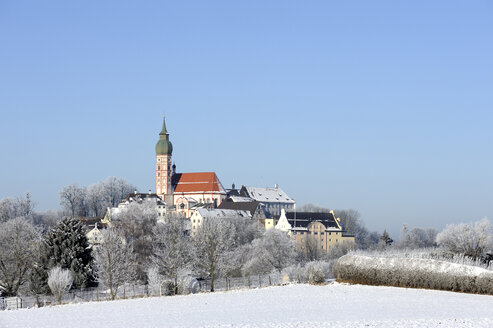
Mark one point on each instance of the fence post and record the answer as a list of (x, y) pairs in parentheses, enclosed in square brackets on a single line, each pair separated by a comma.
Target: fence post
[(259, 282), (270, 281), (248, 281)]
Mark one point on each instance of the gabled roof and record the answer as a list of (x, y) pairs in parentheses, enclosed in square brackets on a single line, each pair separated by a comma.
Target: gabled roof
[(251, 207), (267, 195), (197, 182), (140, 197), (222, 213), (303, 219)]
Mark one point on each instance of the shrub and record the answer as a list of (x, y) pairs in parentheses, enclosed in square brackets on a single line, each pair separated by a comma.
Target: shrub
[(413, 273), (315, 272), (59, 281)]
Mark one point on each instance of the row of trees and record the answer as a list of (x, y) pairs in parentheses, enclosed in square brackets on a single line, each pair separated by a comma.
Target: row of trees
[(93, 200)]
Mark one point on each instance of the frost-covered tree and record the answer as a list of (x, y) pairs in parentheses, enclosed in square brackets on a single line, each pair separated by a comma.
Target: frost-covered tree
[(6, 209), (114, 264), (19, 242), (469, 239), (72, 199), (274, 250), (340, 249), (417, 238), (66, 245), (135, 223), (172, 248), (116, 189), (97, 200), (11, 208), (385, 239), (213, 241), (59, 280)]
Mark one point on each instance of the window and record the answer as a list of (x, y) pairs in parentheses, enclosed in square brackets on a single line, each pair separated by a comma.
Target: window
[(322, 233), (301, 233), (158, 167), (337, 240), (330, 233), (315, 233)]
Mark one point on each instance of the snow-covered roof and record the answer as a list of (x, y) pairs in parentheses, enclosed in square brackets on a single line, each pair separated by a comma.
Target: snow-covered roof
[(240, 199), (220, 213), (269, 195)]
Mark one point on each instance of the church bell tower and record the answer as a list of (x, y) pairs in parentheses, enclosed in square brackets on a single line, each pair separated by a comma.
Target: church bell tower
[(164, 148)]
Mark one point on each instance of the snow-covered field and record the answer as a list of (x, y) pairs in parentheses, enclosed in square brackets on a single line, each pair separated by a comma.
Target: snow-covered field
[(334, 305)]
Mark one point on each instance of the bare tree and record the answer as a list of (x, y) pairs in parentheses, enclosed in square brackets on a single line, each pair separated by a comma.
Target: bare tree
[(114, 265), (72, 198), (313, 208), (312, 249), (469, 239), (352, 223), (97, 199), (172, 248), (275, 250), (59, 281), (18, 245), (116, 189), (213, 240)]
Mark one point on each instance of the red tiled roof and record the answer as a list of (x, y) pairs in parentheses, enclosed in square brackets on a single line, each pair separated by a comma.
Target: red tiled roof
[(197, 182)]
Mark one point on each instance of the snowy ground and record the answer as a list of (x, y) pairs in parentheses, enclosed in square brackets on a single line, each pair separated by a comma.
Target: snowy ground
[(335, 305)]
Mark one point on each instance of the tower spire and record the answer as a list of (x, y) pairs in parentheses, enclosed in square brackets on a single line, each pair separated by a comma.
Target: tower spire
[(164, 131)]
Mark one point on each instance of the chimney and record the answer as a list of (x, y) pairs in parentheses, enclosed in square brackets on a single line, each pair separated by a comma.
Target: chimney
[(150, 192), (276, 186)]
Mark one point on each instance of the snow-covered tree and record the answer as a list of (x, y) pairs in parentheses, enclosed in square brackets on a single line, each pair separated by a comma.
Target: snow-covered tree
[(469, 239), (6, 209), (172, 248), (66, 246), (114, 264), (19, 242), (72, 199), (385, 239), (116, 189), (135, 223), (59, 280), (274, 250), (97, 200), (340, 249), (11, 208), (213, 241), (417, 238)]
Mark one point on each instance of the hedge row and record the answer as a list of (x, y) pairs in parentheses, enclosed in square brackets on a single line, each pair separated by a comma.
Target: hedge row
[(413, 273)]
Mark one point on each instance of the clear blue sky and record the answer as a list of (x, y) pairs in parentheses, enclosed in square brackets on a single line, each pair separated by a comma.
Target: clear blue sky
[(381, 106)]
